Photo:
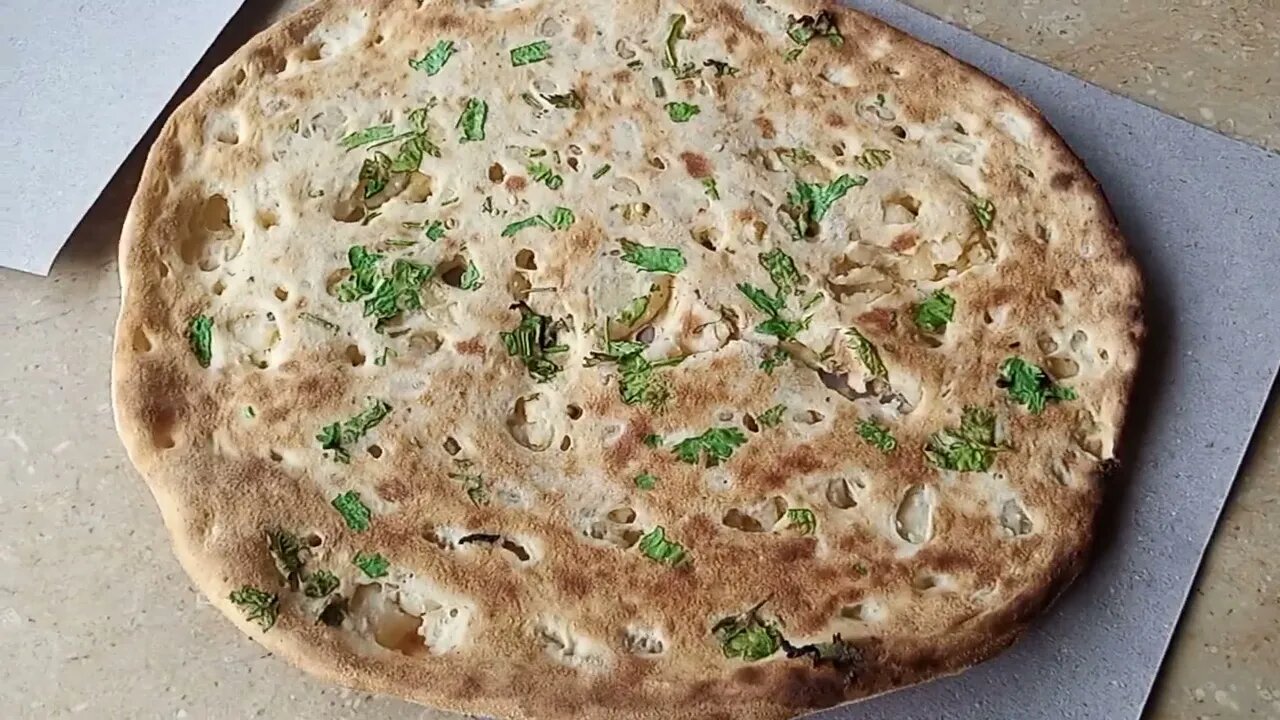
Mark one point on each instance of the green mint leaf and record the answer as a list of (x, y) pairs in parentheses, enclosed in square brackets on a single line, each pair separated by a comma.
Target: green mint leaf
[(257, 605), (1031, 386), (373, 565), (655, 546), (602, 171), (531, 53), (782, 270), (364, 274), (645, 481), (562, 218), (471, 279), (652, 440), (472, 120), (713, 446), (969, 448), (368, 136), (867, 354), (772, 417), (320, 584), (723, 69), (532, 341), (878, 435), (200, 336), (709, 187), (983, 211), (874, 158), (802, 519), (934, 312), (353, 511), (653, 259), (682, 112), (543, 174), (435, 59), (565, 101), (747, 637)]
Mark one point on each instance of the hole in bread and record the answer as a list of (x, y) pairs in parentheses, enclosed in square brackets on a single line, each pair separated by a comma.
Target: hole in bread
[(348, 210), (838, 149), (267, 219), (707, 237), (759, 518), (749, 422), (311, 52), (1062, 368), (572, 163), (219, 286), (1079, 339), (646, 335), (1055, 296), (549, 28), (379, 39), (900, 209), (334, 613), (725, 416), (334, 279), (808, 417), (375, 451), (914, 517), (426, 342), (275, 456), (643, 641), (927, 581), (1014, 519), (899, 132), (529, 423), (840, 494), (1046, 343), (451, 271), (163, 430), (497, 173), (623, 515), (615, 528), (378, 615), (354, 356), (314, 540), (623, 48), (451, 446), (239, 77), (141, 343), (1103, 354), (566, 442), (574, 411), (658, 162), (526, 260), (210, 239), (865, 611), (281, 294)]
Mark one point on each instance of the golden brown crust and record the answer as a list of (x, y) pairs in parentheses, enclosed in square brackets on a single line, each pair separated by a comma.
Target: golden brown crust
[(227, 223)]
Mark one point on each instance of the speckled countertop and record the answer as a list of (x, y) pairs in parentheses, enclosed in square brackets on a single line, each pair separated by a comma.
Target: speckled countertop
[(74, 509)]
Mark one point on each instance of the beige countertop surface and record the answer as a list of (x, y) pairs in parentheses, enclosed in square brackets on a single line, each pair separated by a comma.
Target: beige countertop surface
[(97, 619)]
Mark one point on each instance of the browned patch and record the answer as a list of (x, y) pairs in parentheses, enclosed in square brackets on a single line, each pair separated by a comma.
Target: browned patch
[(474, 346), (905, 241), (749, 675), (767, 131), (581, 31), (448, 21), (881, 320), (795, 549), (631, 442), (1062, 180), (774, 475), (516, 183), (696, 165), (731, 17), (573, 583), (834, 120), (621, 76)]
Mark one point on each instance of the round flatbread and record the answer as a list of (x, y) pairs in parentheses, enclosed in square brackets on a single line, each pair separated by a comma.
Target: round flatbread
[(545, 359)]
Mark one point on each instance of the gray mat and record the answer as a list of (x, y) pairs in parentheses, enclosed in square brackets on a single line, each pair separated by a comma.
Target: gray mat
[(1200, 212)]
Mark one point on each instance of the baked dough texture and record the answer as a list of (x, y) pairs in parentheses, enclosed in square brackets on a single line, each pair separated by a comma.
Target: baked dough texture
[(621, 360)]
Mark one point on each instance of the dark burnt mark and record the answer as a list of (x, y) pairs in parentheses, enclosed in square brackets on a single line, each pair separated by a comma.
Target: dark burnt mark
[(509, 545), (696, 165), (834, 120), (1063, 180), (767, 131)]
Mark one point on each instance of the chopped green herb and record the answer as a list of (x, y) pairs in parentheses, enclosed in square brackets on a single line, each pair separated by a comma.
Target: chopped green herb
[(472, 481), (969, 448), (782, 270), (984, 212), (543, 174), (562, 218), (531, 53), (368, 136), (709, 187), (772, 417), (249, 412), (286, 550), (320, 584), (934, 312), (257, 605), (652, 440), (635, 65), (748, 637), (336, 436), (764, 301), (796, 155), (375, 174), (672, 62), (633, 311), (533, 340), (773, 359), (602, 171), (200, 336), (381, 360), (471, 279), (804, 29), (434, 230), (401, 291), (659, 90), (317, 320), (1031, 386), (565, 101), (713, 446), (645, 481), (868, 354), (434, 61), (517, 226), (878, 435), (353, 511), (682, 112), (653, 259), (409, 159), (874, 159), (373, 565), (808, 203), (658, 548), (473, 119), (364, 274), (722, 68), (802, 519), (639, 383)]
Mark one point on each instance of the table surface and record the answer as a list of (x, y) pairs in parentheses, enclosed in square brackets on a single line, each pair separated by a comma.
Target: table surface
[(74, 508)]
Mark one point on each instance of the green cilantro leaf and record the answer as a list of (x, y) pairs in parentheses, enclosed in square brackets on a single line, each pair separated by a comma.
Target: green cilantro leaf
[(878, 435), (533, 340), (434, 61), (722, 68), (472, 481), (983, 211), (653, 440), (747, 637), (659, 549), (682, 112), (364, 274), (646, 481), (713, 446), (471, 279), (517, 226), (373, 565), (543, 174), (286, 550), (336, 436), (653, 259), (200, 336), (638, 382), (1031, 386), (531, 53), (782, 270), (934, 312), (874, 158), (767, 303), (969, 448), (709, 187), (320, 584), (473, 119), (802, 519), (562, 218), (368, 136), (257, 605), (353, 511), (772, 417), (672, 61), (867, 354), (809, 203), (782, 328)]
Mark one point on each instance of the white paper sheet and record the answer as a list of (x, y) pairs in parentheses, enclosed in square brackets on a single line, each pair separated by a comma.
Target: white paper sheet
[(80, 83)]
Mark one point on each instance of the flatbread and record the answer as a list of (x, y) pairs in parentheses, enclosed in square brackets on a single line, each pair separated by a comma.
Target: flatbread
[(551, 359)]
